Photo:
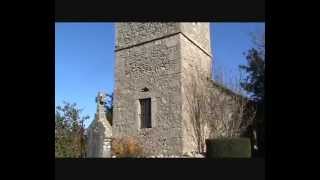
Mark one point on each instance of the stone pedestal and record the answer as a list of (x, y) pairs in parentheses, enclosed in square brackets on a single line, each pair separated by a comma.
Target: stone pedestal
[(107, 148)]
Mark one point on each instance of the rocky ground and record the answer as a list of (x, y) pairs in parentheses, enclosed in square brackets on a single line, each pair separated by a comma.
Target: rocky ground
[(187, 155)]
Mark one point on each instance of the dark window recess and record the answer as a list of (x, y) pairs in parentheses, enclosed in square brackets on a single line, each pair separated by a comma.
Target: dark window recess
[(145, 105), (145, 89)]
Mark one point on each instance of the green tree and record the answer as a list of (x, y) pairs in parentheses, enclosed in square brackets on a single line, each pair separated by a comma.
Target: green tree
[(253, 83), (69, 131)]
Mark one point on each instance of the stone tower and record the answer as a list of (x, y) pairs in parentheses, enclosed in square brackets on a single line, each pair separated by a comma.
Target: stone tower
[(153, 65)]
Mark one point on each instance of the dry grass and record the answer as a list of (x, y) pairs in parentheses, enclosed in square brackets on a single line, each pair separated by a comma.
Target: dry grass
[(126, 147)]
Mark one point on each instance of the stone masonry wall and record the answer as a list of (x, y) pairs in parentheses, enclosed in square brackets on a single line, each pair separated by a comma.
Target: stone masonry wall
[(156, 66), (196, 70), (198, 33), (196, 64), (161, 57), (189, 135), (128, 34)]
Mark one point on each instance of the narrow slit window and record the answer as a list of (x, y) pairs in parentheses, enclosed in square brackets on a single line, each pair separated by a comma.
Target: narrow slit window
[(145, 114)]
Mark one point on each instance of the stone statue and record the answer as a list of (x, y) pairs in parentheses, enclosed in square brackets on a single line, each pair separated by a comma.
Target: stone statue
[(100, 131), (101, 98)]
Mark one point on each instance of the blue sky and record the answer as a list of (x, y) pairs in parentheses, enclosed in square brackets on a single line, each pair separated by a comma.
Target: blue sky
[(84, 58)]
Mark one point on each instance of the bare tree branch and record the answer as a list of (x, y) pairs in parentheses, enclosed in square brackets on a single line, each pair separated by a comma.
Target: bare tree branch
[(211, 107)]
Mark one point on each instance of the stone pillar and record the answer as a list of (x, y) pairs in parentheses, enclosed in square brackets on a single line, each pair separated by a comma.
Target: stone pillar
[(106, 147), (100, 132)]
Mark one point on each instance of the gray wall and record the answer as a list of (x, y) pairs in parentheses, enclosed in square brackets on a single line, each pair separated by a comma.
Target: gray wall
[(161, 57), (155, 65)]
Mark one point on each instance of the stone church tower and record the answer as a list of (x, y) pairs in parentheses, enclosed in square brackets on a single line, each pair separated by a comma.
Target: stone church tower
[(154, 62)]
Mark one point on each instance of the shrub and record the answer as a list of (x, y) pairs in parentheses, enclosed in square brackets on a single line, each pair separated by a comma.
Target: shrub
[(229, 148), (126, 147)]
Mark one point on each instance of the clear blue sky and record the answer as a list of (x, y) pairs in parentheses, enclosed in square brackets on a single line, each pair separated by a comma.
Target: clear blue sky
[(84, 58)]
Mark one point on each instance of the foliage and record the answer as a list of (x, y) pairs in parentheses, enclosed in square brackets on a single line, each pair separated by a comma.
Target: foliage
[(229, 148), (126, 147), (109, 108), (254, 84), (69, 131), (255, 70), (231, 114), (197, 109), (215, 111)]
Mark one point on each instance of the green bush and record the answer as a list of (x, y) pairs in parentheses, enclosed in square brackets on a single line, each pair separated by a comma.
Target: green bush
[(229, 148)]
